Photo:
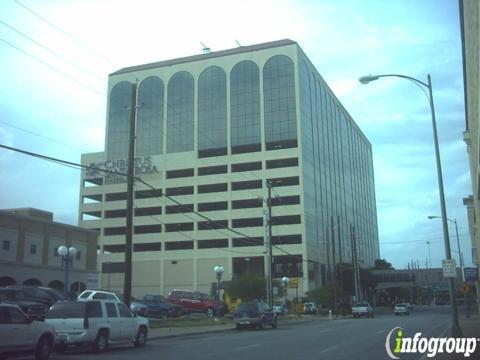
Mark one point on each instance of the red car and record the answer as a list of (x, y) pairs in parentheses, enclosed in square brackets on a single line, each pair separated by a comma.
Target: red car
[(194, 301)]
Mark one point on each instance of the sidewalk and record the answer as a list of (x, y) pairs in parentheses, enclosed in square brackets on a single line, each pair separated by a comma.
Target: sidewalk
[(471, 329)]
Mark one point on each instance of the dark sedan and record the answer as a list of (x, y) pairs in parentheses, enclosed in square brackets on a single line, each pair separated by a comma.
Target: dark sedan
[(157, 305), (256, 315)]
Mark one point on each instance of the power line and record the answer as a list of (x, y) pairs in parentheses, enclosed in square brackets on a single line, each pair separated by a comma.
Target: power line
[(52, 52), (80, 166), (41, 136), (59, 29), (79, 82)]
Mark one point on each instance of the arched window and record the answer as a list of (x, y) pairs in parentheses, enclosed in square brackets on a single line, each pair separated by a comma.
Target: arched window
[(32, 282), (150, 117), (279, 103), (118, 120), (180, 100), (212, 112), (56, 284), (245, 131)]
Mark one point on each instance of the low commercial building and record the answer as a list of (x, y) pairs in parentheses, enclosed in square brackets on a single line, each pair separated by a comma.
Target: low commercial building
[(29, 242)]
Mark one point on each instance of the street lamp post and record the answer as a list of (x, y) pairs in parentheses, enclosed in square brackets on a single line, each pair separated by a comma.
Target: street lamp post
[(218, 271), (285, 281), (458, 239), (456, 330), (67, 254)]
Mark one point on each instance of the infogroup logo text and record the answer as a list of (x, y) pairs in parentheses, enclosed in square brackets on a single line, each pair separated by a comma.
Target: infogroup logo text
[(430, 346)]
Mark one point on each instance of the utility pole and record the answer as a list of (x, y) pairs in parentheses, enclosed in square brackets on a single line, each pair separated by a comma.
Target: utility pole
[(334, 267), (127, 286), (269, 256)]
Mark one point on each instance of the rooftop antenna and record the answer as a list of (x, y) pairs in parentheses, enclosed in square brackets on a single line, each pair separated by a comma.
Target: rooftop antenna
[(238, 43), (205, 49)]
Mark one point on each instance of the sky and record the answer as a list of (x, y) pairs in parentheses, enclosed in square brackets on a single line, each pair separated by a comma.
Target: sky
[(55, 79)]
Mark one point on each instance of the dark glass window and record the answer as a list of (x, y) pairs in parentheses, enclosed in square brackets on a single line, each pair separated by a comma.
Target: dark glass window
[(123, 310), (211, 244), (212, 170), (213, 206), (279, 102), (285, 181), (209, 188), (147, 229), (287, 265), (94, 309), (212, 112), (121, 96), (113, 267), (92, 181), (178, 209), (111, 310), (250, 166), (286, 200), (148, 211), (117, 248), (186, 226), (179, 245), (248, 203), (181, 190), (116, 196), (181, 173), (110, 214), (248, 222), (281, 163), (286, 239), (156, 246), (286, 220), (150, 117), (121, 230), (245, 107), (146, 194), (251, 241), (180, 99), (211, 225), (249, 184)]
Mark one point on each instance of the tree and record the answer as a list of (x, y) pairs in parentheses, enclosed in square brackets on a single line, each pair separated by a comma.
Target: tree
[(382, 264), (248, 287)]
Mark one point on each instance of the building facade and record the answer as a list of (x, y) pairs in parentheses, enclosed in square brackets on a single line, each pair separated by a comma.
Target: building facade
[(470, 30), (211, 130), (29, 240)]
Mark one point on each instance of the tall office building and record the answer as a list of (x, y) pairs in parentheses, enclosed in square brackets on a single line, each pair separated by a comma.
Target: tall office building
[(211, 131)]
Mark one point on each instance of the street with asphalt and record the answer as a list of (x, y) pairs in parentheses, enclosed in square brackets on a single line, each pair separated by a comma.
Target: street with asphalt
[(309, 338)]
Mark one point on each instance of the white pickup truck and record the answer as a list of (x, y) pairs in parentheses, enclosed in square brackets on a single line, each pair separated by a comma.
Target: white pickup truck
[(362, 309)]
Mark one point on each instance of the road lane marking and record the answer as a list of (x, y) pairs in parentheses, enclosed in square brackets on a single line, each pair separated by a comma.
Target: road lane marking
[(379, 331), (328, 349), (246, 347)]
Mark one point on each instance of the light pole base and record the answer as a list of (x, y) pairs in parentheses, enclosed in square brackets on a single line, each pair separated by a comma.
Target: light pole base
[(456, 331)]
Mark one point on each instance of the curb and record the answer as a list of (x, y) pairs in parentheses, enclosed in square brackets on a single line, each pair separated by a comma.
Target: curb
[(211, 331)]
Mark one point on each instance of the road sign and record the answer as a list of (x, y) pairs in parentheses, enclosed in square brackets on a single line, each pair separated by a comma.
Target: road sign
[(293, 284), (464, 289), (449, 268), (470, 274)]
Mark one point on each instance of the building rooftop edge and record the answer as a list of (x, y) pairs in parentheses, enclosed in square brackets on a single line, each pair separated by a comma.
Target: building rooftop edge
[(210, 55), (8, 212)]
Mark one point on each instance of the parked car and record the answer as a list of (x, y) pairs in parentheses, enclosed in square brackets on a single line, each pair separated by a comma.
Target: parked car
[(95, 323), (310, 308), (44, 295), (280, 309), (401, 309), (97, 295), (157, 305), (194, 301), (20, 335), (137, 307), (254, 314), (362, 309), (34, 310)]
